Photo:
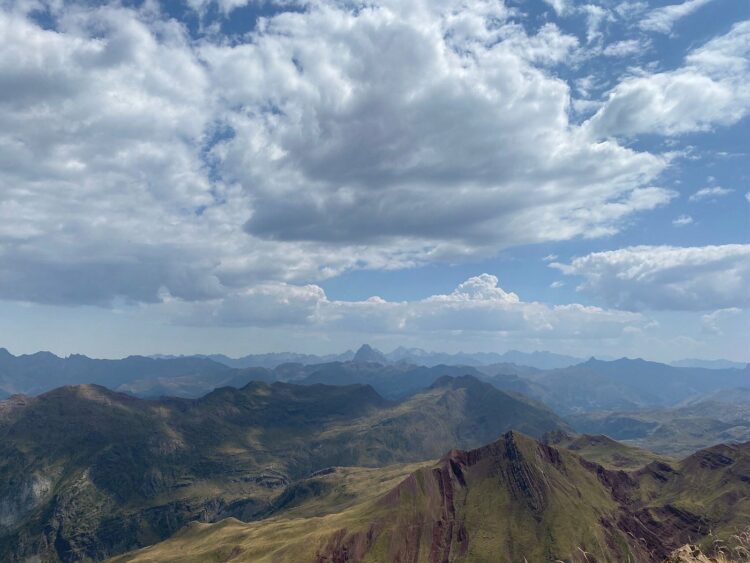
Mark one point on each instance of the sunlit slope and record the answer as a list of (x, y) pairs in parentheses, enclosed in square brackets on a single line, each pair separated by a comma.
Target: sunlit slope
[(89, 473), (513, 500)]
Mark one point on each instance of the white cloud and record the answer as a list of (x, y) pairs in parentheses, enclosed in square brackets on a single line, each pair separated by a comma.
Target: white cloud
[(711, 322), (596, 17), (226, 6), (747, 196), (710, 193), (630, 8), (139, 164), (556, 284), (477, 305), (624, 48), (666, 277), (712, 88), (561, 7), (267, 304), (662, 19), (682, 220)]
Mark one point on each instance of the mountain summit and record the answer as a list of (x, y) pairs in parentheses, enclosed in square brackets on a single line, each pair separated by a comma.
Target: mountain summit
[(514, 499), (368, 354)]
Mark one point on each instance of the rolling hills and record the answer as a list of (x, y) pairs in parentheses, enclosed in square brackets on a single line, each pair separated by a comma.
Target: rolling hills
[(720, 417)]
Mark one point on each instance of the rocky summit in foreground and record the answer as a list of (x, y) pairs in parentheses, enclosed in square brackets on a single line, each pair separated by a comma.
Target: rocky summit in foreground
[(513, 500)]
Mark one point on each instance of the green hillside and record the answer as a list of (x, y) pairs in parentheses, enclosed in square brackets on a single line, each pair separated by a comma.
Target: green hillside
[(89, 473), (513, 500)]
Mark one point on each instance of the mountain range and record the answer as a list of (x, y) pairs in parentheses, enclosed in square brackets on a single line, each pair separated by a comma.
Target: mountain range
[(721, 416), (417, 356), (135, 450), (32, 374), (86, 472), (515, 499), (628, 384), (619, 385)]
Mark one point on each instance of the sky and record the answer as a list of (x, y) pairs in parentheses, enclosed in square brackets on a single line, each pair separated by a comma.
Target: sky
[(245, 176)]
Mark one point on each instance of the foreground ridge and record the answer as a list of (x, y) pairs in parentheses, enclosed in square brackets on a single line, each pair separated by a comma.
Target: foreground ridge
[(512, 500)]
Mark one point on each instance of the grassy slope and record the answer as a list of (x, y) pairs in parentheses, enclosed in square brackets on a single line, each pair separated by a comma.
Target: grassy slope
[(511, 500), (605, 451), (110, 472)]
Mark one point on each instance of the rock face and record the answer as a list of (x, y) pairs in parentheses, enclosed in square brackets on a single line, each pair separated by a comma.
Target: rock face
[(517, 500), (25, 496)]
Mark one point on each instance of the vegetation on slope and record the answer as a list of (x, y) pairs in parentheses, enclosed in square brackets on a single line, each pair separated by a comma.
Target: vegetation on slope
[(513, 500), (86, 472)]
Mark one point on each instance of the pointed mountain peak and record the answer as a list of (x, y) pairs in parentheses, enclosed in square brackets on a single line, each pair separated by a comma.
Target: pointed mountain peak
[(368, 354)]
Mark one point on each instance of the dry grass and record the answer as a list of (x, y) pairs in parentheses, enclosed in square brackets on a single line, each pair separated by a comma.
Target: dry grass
[(734, 550)]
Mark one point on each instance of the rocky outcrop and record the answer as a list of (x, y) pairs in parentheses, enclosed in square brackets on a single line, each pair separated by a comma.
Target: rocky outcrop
[(536, 488), (20, 498), (438, 532)]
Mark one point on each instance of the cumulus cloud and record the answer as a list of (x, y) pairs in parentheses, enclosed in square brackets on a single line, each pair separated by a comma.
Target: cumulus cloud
[(710, 193), (682, 220), (711, 88), (711, 322), (478, 305), (460, 152), (662, 19), (141, 164), (666, 277)]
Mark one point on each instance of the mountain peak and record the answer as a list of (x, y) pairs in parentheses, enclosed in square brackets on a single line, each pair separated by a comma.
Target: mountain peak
[(368, 354)]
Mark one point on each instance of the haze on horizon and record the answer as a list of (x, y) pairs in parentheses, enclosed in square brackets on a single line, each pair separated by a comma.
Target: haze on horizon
[(226, 176)]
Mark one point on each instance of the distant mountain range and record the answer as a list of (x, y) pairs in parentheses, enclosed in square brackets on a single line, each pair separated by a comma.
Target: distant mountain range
[(512, 500), (627, 384), (719, 417), (593, 385), (708, 364), (416, 356), (539, 360), (32, 374), (86, 473)]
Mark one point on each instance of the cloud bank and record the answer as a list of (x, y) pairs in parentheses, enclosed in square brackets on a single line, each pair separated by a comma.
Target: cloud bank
[(478, 305), (667, 277), (139, 162), (220, 179)]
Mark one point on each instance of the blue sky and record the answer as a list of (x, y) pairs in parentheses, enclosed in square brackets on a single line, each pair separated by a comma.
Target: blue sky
[(242, 176)]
